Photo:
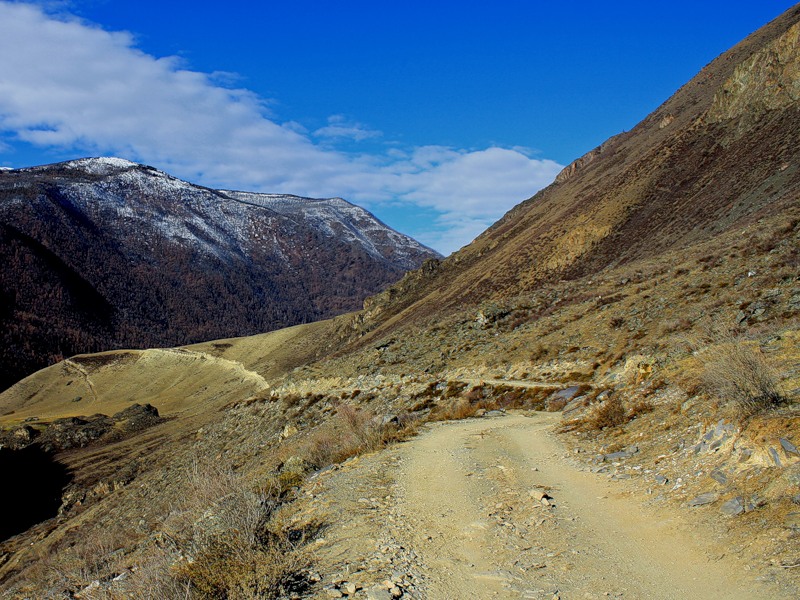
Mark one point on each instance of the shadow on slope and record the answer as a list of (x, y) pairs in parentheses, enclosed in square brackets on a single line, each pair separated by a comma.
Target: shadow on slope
[(34, 482)]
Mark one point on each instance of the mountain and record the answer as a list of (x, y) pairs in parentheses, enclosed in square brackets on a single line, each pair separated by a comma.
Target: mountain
[(102, 253), (715, 158)]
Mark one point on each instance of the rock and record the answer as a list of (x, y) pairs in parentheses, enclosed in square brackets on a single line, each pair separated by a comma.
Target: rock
[(734, 506), (332, 592), (558, 400), (137, 417), (660, 479), (24, 434), (718, 476), (396, 592), (538, 495), (378, 593), (288, 431), (495, 413), (351, 588), (390, 420), (617, 456), (573, 405), (294, 464), (789, 448), (88, 591), (775, 458), (702, 499), (792, 521)]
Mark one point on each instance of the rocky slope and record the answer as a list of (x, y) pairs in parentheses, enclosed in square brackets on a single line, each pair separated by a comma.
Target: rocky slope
[(715, 158), (103, 253)]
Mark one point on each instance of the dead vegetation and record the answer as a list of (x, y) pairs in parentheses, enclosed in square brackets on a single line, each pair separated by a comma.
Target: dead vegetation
[(735, 370)]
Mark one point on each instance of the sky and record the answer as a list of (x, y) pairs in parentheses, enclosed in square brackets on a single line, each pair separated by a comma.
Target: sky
[(438, 117)]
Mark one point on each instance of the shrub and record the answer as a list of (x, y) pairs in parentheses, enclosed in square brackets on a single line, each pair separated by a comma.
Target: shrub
[(610, 413), (234, 547), (735, 371)]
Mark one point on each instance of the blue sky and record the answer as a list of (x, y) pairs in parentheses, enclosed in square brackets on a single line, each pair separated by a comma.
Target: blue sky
[(438, 117)]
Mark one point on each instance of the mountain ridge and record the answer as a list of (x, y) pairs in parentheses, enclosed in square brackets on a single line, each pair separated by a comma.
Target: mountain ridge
[(676, 179), (104, 253)]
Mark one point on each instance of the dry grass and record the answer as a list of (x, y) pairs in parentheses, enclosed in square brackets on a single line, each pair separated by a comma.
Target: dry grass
[(225, 541), (735, 370), (610, 413)]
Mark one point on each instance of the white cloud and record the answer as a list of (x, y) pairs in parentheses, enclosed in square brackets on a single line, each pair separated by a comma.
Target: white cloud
[(68, 84), (339, 127)]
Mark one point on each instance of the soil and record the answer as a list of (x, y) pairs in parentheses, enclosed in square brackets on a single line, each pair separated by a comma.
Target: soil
[(456, 513)]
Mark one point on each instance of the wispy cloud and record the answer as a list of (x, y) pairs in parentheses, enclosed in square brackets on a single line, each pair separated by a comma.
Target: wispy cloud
[(69, 84), (339, 127)]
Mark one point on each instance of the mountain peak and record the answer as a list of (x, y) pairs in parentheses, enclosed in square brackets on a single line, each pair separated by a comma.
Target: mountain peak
[(136, 257), (101, 164)]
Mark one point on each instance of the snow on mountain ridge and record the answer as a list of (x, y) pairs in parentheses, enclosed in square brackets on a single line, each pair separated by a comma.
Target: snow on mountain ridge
[(154, 204), (336, 217)]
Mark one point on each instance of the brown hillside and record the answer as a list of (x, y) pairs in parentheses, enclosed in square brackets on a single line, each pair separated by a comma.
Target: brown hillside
[(716, 157)]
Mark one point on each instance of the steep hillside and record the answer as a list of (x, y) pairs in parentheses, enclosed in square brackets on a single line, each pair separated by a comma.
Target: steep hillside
[(715, 158), (104, 253)]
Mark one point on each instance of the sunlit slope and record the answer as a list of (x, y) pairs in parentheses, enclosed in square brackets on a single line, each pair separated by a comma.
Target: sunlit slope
[(716, 159), (175, 380)]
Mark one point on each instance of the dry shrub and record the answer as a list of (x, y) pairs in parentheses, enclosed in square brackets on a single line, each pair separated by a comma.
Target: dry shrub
[(735, 370), (454, 388), (642, 406), (354, 432), (454, 411), (539, 352), (70, 565), (363, 426), (475, 394), (233, 546), (610, 413)]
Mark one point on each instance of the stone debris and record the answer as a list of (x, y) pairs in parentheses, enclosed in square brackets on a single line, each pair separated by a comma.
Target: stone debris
[(735, 506)]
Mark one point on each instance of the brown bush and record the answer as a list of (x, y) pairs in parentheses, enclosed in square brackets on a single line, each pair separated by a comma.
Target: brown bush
[(235, 548), (610, 413), (736, 371)]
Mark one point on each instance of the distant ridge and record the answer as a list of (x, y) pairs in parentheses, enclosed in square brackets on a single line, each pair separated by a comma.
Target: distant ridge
[(102, 253)]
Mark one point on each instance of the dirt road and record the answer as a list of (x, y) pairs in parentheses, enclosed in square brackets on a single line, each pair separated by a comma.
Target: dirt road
[(450, 515)]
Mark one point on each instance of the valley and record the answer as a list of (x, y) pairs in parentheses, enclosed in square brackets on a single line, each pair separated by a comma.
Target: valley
[(598, 397)]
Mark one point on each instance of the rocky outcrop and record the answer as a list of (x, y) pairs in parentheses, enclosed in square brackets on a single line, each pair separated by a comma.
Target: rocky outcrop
[(768, 80)]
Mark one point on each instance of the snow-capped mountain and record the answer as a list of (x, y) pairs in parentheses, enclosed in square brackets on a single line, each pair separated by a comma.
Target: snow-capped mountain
[(103, 252)]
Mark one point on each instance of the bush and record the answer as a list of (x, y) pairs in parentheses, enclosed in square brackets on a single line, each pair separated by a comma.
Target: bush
[(234, 548), (610, 413), (735, 371)]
